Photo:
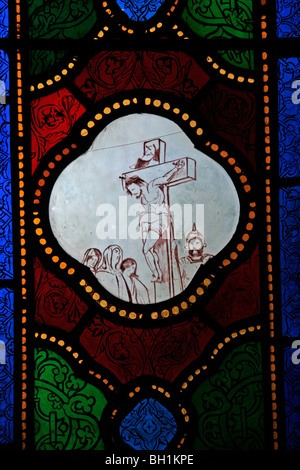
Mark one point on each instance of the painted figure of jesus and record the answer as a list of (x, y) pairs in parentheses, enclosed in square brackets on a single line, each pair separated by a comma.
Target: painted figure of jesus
[(155, 218)]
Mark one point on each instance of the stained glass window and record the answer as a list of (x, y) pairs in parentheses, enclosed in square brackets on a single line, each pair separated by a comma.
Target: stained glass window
[(149, 190)]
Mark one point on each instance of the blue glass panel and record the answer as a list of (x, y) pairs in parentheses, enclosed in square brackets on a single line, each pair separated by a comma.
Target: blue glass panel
[(289, 213), (140, 10), (288, 18), (6, 265), (292, 398), (6, 366), (3, 18), (149, 426), (289, 116)]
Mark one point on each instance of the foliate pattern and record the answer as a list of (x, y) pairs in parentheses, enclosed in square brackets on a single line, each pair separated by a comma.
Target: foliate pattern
[(6, 265), (6, 366), (43, 60), (71, 19), (290, 259), (67, 409), (288, 18), (288, 117), (52, 117), (292, 400), (239, 295), (56, 303), (232, 114), (140, 10), (170, 72), (149, 426), (223, 19), (4, 19), (133, 352), (230, 404)]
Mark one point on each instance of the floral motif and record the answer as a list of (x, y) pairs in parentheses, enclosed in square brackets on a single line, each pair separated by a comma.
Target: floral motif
[(52, 119), (288, 118), (56, 302), (4, 19), (289, 213), (60, 19), (149, 426), (140, 10), (288, 18), (132, 352), (292, 401), (68, 410), (6, 261), (232, 114), (6, 366), (112, 72), (229, 404), (239, 295), (222, 19)]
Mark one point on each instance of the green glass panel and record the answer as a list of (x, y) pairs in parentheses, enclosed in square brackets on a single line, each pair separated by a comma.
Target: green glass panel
[(67, 409), (239, 58), (43, 60), (229, 405), (62, 19), (228, 19)]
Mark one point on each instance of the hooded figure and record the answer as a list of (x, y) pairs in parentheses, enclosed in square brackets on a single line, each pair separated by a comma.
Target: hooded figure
[(110, 276)]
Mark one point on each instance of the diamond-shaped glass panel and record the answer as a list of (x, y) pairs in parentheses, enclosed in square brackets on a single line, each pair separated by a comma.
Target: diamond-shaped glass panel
[(149, 426)]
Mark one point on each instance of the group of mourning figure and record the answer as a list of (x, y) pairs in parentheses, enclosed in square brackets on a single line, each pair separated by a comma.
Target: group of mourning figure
[(116, 274)]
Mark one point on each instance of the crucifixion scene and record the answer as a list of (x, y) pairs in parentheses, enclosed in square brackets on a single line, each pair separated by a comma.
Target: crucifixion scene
[(150, 183), (144, 209)]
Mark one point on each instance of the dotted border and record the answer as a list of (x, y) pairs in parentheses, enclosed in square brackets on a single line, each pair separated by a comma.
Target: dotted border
[(204, 285), (62, 343), (56, 78), (20, 155), (131, 30), (47, 83), (215, 352), (238, 77)]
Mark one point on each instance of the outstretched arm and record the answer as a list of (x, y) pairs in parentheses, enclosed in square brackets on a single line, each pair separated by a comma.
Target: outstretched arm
[(169, 175)]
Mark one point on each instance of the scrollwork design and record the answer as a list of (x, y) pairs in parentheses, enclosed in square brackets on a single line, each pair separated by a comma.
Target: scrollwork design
[(229, 404), (288, 118), (132, 352), (61, 19), (52, 119), (149, 426), (232, 114), (56, 302), (6, 262), (71, 19), (6, 366), (115, 71), (292, 400), (140, 10), (67, 409), (288, 18), (228, 19), (4, 19), (289, 212)]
